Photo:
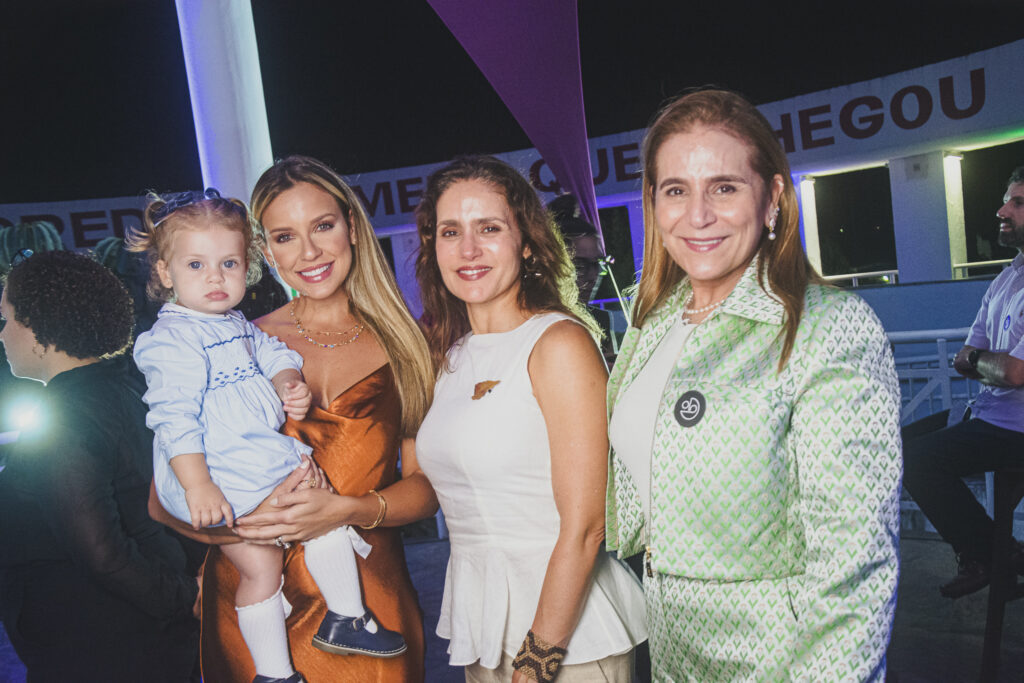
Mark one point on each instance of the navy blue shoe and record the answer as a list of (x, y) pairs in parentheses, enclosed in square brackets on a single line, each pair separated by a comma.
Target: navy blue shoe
[(294, 678), (348, 636)]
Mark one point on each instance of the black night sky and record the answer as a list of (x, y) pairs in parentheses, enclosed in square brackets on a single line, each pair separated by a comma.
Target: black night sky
[(95, 98)]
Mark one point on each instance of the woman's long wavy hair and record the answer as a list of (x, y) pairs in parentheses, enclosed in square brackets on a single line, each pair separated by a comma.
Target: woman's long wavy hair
[(373, 293), (547, 281), (781, 262)]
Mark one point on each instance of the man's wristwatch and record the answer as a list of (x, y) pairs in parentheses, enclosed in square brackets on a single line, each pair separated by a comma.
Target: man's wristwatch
[(972, 358)]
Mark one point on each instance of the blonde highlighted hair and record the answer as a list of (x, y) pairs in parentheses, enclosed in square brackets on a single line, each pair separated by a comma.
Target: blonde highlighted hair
[(781, 262), (373, 293), (159, 225)]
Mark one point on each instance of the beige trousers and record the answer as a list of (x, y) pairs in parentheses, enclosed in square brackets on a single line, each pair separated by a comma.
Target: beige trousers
[(613, 669)]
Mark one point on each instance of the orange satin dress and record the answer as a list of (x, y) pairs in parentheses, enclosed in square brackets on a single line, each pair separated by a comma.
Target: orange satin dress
[(356, 442)]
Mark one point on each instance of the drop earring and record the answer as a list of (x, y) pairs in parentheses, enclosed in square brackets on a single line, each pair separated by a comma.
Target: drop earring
[(771, 223)]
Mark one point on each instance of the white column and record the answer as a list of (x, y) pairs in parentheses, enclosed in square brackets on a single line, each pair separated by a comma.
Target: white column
[(809, 221), (219, 41), (920, 218), (955, 221)]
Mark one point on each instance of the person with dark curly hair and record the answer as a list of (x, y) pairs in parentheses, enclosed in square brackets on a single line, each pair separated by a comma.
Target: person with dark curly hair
[(515, 443), (90, 586)]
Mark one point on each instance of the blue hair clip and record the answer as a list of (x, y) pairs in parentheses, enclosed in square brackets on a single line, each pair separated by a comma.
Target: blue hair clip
[(20, 257), (179, 200)]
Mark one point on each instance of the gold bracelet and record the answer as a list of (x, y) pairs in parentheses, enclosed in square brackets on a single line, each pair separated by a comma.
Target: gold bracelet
[(383, 510), (538, 659)]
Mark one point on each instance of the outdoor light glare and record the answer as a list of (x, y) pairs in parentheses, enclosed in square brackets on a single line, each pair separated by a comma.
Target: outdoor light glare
[(6, 438), (24, 415)]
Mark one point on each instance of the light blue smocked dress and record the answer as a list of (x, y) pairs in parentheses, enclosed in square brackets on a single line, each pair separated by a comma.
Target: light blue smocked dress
[(210, 392)]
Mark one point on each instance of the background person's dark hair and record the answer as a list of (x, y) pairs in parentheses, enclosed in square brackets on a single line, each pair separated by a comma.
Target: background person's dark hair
[(568, 217), (72, 303), (1016, 177)]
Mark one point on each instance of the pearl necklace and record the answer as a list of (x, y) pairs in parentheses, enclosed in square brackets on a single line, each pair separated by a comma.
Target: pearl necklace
[(357, 328), (702, 309)]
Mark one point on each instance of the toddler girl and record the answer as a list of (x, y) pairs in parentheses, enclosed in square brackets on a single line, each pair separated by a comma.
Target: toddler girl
[(219, 389)]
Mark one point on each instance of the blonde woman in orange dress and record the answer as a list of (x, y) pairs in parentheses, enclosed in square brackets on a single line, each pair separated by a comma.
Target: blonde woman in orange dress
[(368, 368)]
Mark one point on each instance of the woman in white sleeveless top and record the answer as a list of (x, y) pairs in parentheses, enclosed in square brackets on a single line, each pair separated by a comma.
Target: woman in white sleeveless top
[(515, 443)]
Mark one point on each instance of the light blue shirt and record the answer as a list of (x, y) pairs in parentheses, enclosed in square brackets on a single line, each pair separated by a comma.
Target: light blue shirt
[(210, 392), (999, 326)]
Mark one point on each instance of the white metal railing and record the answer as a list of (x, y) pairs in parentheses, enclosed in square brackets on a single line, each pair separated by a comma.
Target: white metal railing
[(940, 381), (929, 361), (960, 269), (855, 278)]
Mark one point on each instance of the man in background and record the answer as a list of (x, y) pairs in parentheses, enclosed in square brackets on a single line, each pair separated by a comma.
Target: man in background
[(993, 437), (587, 253)]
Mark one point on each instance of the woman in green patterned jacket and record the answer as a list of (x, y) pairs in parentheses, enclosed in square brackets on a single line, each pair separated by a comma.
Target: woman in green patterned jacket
[(754, 422)]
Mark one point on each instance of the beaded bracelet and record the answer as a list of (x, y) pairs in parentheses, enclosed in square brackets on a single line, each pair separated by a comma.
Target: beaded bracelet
[(383, 510), (537, 659)]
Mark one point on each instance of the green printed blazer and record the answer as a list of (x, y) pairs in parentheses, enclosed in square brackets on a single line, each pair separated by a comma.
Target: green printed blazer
[(792, 475)]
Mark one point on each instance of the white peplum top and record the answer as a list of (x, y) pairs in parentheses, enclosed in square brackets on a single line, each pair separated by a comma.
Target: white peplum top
[(489, 462)]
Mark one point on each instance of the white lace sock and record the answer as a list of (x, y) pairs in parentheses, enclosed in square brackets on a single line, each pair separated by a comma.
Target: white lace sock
[(262, 627), (331, 561)]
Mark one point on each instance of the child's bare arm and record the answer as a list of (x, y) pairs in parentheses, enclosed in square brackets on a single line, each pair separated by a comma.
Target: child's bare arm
[(294, 392), (206, 503)]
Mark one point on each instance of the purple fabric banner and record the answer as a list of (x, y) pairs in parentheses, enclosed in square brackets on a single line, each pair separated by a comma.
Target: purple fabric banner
[(529, 50)]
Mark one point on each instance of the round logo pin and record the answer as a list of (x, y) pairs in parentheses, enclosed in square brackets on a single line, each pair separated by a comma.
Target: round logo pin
[(690, 408)]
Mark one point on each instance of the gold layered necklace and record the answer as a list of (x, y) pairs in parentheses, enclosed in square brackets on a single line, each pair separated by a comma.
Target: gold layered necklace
[(354, 331)]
